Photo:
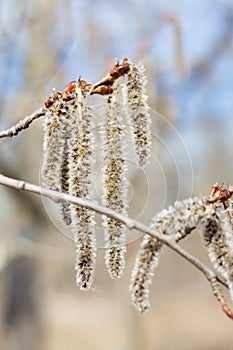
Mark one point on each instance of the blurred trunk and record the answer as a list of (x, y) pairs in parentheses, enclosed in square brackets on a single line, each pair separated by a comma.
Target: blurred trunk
[(20, 314)]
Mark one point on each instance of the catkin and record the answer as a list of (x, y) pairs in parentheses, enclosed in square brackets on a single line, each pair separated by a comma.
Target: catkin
[(57, 130), (178, 220), (138, 113), (217, 233), (114, 187), (67, 116), (80, 169), (52, 149), (146, 261), (65, 206)]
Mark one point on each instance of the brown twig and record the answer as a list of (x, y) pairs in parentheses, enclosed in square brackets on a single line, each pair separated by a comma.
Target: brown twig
[(102, 87), (130, 223), (118, 70), (23, 124), (225, 307), (219, 295)]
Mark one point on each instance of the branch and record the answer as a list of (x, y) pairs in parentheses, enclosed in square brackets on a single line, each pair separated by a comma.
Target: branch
[(23, 124), (130, 223), (102, 87)]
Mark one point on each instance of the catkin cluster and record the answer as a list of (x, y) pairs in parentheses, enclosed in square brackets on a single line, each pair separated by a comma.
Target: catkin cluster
[(68, 159), (67, 166), (216, 227), (178, 220)]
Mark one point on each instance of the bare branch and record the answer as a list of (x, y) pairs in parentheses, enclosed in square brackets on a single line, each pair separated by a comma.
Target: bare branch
[(130, 223), (23, 124)]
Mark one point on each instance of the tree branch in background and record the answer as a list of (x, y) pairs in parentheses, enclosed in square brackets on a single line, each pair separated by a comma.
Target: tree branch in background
[(173, 20), (131, 224)]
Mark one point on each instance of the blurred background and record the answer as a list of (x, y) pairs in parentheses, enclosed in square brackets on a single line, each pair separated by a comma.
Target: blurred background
[(187, 49)]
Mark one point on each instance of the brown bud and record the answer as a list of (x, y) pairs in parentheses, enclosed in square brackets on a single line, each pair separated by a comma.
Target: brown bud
[(84, 86), (71, 86), (49, 102), (120, 69), (102, 90), (219, 193)]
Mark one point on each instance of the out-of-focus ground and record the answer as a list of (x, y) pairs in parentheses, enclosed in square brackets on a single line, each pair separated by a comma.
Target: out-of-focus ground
[(187, 49)]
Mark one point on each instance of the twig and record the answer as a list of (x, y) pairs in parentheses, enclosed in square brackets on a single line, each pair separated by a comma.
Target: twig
[(23, 124), (130, 223), (220, 297), (102, 87)]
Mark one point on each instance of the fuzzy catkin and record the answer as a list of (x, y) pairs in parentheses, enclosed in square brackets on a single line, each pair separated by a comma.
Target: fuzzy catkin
[(57, 130), (65, 206), (138, 113), (80, 170), (178, 220), (67, 115), (67, 118), (52, 150), (114, 187), (217, 233), (146, 261)]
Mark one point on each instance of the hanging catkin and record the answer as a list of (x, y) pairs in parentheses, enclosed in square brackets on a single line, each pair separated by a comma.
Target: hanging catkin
[(80, 170), (137, 110), (52, 148), (57, 130), (217, 233), (115, 186), (65, 206), (67, 114), (178, 220)]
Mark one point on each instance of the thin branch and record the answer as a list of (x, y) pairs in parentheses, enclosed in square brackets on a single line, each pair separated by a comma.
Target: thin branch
[(23, 124), (130, 223), (102, 87)]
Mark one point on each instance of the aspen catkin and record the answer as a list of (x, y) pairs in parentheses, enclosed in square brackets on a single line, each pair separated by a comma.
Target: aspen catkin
[(138, 114), (217, 233), (115, 187), (178, 220), (80, 170)]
